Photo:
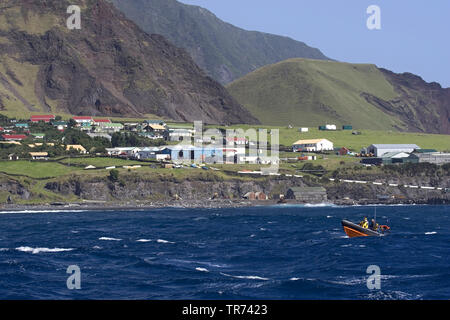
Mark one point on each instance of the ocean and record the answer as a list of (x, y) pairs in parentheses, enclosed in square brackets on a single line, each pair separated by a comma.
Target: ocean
[(273, 252)]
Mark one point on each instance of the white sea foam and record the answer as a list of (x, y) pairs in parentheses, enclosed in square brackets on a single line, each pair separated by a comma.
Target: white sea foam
[(3, 249), (109, 239), (319, 205), (294, 279), (96, 247), (246, 277), (143, 240), (39, 250), (164, 241), (431, 232), (42, 211), (202, 269)]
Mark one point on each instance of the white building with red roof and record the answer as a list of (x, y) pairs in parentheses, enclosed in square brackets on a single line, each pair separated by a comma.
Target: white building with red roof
[(44, 118), (82, 120), (13, 137), (97, 121)]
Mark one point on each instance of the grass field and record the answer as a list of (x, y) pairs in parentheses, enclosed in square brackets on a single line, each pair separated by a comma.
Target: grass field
[(345, 138), (100, 162), (35, 169)]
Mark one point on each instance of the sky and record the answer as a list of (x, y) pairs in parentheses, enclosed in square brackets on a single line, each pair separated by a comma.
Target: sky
[(414, 35)]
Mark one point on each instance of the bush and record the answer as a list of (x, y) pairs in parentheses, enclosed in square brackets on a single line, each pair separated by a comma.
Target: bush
[(114, 175)]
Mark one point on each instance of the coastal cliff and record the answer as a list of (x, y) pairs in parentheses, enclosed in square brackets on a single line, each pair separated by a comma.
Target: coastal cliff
[(207, 188)]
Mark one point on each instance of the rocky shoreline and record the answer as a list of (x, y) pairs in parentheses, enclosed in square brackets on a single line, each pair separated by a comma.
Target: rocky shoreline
[(190, 204), (136, 191)]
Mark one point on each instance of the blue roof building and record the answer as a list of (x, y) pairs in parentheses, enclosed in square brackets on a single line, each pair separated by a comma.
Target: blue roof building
[(189, 153)]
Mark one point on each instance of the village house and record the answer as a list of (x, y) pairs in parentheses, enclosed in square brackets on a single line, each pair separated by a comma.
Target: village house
[(39, 155), (159, 122), (21, 126), (312, 145), (38, 135), (13, 137), (234, 148), (127, 152), (343, 151), (151, 153), (189, 153), (76, 147), (10, 142), (97, 121), (108, 127), (13, 157), (34, 145), (83, 120), (44, 118), (156, 129), (60, 125), (180, 134), (133, 126)]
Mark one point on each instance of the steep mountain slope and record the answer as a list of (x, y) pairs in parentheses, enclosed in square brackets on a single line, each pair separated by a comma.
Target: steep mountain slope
[(312, 92), (224, 51), (109, 67)]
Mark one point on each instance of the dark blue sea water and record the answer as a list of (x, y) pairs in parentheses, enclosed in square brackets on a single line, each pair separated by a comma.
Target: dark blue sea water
[(282, 252)]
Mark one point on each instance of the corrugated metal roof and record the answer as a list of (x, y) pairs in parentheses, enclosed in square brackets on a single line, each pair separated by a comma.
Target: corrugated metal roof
[(396, 146), (393, 154)]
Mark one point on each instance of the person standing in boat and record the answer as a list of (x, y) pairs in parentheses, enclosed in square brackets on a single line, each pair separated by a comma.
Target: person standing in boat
[(364, 223), (373, 225)]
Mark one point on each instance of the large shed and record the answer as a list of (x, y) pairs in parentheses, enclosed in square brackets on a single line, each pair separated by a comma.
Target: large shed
[(307, 194), (380, 149)]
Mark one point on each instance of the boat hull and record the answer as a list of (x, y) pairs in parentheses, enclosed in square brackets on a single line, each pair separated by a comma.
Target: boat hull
[(353, 230)]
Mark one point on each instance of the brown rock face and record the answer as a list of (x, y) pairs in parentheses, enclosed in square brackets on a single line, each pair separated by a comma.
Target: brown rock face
[(110, 67), (424, 106)]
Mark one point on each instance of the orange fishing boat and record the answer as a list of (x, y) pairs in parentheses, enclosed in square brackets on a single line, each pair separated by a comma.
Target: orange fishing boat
[(353, 230)]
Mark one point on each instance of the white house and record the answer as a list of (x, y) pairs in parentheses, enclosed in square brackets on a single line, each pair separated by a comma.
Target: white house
[(313, 145)]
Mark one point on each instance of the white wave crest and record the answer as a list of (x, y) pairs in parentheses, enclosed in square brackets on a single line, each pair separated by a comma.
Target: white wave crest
[(109, 239), (143, 240), (202, 269), (42, 211), (164, 241), (431, 232), (39, 250), (246, 277)]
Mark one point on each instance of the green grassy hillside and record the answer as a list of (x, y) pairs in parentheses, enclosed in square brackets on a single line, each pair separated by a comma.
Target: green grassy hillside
[(308, 92), (312, 92)]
